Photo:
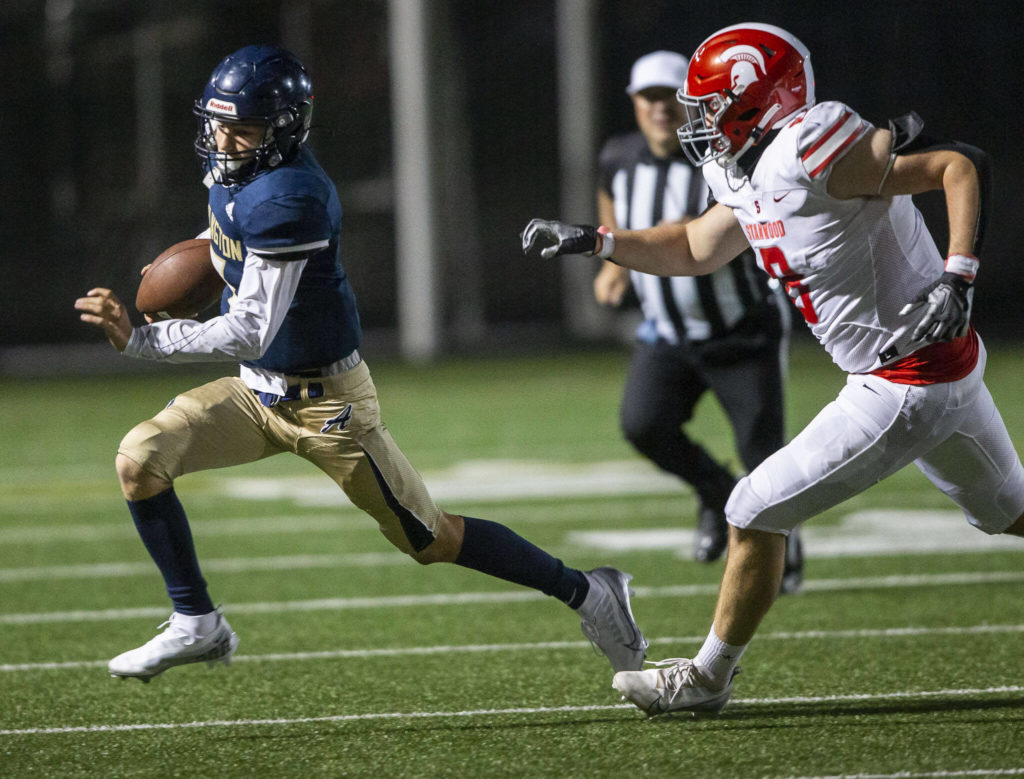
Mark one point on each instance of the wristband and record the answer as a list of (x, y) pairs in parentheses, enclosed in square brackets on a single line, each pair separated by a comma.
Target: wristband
[(607, 245), (963, 265)]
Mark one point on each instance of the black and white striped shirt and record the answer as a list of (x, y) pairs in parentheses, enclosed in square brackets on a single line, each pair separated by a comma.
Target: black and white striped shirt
[(649, 190)]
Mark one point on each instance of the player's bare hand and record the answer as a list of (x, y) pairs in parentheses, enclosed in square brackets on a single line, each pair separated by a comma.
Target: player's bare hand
[(557, 238), (102, 308), (610, 284), (949, 301)]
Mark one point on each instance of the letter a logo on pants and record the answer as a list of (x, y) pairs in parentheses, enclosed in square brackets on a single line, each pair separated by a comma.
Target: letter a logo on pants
[(341, 421)]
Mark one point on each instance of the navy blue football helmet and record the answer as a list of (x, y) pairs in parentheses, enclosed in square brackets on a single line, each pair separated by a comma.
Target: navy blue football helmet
[(256, 85)]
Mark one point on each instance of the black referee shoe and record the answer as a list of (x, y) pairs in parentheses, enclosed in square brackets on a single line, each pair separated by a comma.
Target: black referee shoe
[(793, 573), (711, 536)]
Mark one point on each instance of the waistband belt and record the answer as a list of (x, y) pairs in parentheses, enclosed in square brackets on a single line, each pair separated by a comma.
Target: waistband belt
[(294, 392)]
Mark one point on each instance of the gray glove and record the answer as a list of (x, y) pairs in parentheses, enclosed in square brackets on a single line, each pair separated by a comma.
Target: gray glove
[(564, 238), (949, 301)]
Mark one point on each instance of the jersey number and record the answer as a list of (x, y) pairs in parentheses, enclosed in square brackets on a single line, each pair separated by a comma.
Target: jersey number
[(774, 263)]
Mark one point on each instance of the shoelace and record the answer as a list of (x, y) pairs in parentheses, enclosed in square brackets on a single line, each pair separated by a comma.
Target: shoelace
[(173, 630), (676, 676)]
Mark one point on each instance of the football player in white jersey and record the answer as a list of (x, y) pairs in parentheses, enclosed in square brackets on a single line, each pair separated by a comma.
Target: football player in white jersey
[(725, 333), (824, 198)]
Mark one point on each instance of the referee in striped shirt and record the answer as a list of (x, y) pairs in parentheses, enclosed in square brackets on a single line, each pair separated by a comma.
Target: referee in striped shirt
[(725, 332)]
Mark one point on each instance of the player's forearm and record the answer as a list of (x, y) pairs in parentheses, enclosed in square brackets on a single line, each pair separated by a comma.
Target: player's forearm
[(661, 251), (244, 333), (964, 173), (224, 338), (963, 202)]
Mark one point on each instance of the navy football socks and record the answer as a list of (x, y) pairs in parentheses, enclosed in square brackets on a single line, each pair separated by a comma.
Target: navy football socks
[(495, 550), (164, 529)]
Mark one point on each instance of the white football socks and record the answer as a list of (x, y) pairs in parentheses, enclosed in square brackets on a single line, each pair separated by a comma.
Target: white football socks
[(199, 625), (718, 658)]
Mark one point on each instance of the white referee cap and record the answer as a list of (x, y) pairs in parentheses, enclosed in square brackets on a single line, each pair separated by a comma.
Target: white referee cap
[(657, 69)]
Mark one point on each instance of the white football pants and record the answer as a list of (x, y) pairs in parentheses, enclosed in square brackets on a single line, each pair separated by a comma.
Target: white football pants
[(953, 432)]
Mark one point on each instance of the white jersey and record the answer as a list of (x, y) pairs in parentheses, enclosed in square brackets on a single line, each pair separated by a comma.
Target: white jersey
[(848, 265)]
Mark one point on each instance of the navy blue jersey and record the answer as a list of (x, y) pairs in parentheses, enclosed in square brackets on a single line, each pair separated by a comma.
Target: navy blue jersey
[(289, 213)]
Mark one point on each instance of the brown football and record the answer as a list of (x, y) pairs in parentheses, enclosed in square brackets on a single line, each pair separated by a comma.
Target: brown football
[(180, 283)]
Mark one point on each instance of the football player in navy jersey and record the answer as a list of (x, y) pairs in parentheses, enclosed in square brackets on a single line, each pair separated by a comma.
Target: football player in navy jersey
[(288, 315)]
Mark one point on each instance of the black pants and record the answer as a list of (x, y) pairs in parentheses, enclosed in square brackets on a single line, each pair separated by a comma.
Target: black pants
[(663, 386)]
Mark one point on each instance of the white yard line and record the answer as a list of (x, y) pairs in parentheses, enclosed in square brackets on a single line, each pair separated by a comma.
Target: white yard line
[(519, 711), (842, 540), (508, 596), (923, 774), (879, 532), (236, 526), (364, 654), (225, 565)]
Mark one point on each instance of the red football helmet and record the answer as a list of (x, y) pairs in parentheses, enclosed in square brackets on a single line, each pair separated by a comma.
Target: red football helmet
[(742, 81)]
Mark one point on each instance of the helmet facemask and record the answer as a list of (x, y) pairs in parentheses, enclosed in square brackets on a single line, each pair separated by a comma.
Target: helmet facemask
[(283, 135), (721, 120), (700, 135), (260, 86)]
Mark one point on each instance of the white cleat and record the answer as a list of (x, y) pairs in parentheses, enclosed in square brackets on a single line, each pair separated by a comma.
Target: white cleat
[(678, 685), (176, 646), (607, 619)]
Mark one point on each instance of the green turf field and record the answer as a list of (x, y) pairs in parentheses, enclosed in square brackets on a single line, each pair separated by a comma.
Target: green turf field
[(900, 658)]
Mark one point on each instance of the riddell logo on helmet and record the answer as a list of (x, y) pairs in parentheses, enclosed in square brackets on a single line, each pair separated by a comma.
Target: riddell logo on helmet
[(221, 106)]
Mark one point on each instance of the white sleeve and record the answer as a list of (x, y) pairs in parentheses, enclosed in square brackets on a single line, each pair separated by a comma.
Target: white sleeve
[(827, 132), (244, 333)]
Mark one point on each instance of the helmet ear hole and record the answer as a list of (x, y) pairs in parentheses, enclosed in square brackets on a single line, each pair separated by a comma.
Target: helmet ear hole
[(749, 114)]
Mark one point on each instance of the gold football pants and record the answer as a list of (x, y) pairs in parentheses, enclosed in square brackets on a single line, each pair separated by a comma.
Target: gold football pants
[(339, 429)]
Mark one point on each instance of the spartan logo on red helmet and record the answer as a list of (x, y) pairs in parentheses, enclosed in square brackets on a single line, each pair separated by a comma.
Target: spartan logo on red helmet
[(742, 82), (747, 66)]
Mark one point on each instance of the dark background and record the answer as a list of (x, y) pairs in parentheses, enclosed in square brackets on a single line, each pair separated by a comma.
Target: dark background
[(89, 194)]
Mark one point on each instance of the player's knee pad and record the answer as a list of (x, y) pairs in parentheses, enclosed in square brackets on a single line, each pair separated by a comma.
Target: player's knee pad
[(994, 513), (142, 445), (749, 507), (438, 547), (446, 544)]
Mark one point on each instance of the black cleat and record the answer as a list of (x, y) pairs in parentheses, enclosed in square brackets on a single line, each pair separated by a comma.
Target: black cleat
[(711, 536), (793, 573)]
